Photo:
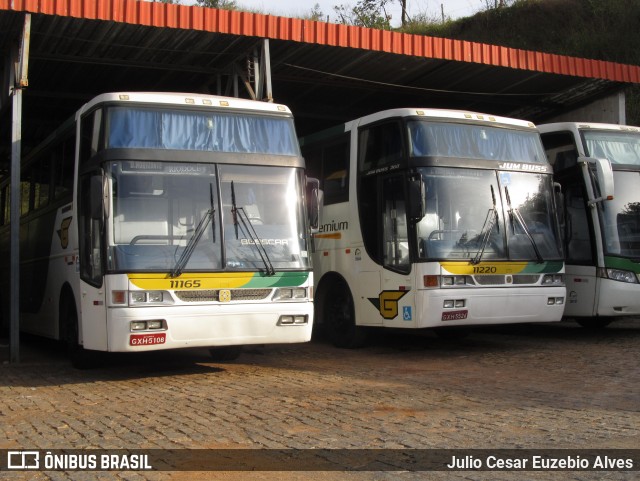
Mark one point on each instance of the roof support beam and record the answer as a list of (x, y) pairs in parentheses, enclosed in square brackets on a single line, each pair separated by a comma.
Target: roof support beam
[(253, 71), (18, 81)]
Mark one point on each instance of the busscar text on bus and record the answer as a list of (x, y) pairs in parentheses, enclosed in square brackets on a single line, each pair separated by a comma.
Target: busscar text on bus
[(434, 219), (163, 220)]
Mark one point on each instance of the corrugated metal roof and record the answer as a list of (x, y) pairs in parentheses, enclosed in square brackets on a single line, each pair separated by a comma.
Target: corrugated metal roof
[(326, 73), (164, 15)]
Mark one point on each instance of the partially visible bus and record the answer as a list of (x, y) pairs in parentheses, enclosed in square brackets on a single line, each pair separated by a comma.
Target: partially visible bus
[(598, 166), (433, 219), (164, 220)]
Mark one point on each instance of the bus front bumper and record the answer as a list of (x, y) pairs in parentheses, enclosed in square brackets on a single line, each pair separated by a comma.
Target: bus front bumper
[(490, 306), (208, 326)]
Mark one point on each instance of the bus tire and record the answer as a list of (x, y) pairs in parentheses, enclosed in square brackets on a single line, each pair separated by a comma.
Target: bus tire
[(594, 322), (80, 357), (226, 353), (339, 318)]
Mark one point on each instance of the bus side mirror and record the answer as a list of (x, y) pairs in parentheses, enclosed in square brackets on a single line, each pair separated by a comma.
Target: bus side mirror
[(604, 176), (417, 198), (314, 203)]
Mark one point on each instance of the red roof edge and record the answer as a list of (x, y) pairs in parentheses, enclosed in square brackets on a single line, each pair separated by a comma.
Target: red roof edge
[(164, 15)]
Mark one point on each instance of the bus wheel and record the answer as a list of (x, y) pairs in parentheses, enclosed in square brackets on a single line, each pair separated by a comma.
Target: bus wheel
[(226, 353), (80, 357), (339, 318), (594, 322)]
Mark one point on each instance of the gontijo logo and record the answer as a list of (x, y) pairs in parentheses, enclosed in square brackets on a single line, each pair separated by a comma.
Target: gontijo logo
[(387, 303)]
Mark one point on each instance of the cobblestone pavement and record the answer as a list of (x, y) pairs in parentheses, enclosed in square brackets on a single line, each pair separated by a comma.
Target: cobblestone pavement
[(535, 386)]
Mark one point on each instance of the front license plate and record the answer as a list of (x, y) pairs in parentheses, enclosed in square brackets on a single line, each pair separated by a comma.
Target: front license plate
[(147, 339), (454, 315)]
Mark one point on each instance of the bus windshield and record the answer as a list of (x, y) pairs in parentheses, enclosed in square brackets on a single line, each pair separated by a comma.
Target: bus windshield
[(160, 210), (476, 215), (471, 141), (617, 147), (620, 217)]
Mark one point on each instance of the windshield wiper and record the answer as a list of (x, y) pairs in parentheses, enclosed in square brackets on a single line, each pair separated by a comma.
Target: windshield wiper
[(195, 238), (515, 213), (490, 222), (249, 231)]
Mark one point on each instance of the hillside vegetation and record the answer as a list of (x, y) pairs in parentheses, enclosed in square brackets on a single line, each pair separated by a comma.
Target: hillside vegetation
[(597, 29)]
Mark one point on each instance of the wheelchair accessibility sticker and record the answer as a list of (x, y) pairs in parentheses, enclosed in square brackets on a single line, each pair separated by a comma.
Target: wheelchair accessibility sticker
[(406, 313)]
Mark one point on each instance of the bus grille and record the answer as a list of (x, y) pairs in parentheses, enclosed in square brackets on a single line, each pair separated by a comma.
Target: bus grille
[(491, 280), (526, 279), (500, 280), (210, 295)]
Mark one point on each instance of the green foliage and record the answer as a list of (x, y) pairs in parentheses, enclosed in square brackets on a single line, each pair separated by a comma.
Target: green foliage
[(223, 4), (598, 29), (315, 14), (365, 13)]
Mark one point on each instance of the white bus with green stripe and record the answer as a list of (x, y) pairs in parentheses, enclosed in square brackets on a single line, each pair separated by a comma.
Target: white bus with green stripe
[(434, 219), (598, 166), (164, 220)]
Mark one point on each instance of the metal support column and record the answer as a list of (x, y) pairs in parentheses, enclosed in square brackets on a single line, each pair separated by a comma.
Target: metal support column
[(265, 71), (253, 72), (19, 81)]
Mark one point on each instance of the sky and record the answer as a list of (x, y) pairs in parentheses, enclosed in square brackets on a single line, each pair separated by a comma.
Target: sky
[(430, 8)]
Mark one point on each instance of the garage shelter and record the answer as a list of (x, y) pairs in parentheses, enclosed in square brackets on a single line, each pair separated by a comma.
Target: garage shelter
[(58, 54)]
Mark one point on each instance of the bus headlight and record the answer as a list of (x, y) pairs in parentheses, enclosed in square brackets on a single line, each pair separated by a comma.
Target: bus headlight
[(553, 280), (145, 297), (456, 281), (622, 276), (140, 298), (292, 320), (152, 325), (290, 294)]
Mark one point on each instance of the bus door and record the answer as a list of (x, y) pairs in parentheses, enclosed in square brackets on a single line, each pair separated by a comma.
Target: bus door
[(93, 310), (580, 269), (396, 307)]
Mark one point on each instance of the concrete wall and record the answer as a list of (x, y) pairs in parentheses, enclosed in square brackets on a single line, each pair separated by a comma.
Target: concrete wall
[(608, 110)]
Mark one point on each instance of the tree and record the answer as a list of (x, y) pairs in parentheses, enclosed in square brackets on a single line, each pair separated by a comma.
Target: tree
[(366, 13), (223, 4), (404, 17), (315, 14)]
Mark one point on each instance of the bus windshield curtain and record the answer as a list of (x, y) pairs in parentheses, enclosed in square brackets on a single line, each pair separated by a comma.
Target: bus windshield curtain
[(207, 131), (474, 142), (618, 149)]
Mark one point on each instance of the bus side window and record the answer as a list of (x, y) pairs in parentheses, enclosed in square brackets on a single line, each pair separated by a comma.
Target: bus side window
[(26, 193), (41, 182), (330, 164), (5, 213), (380, 145), (335, 173), (62, 160), (561, 150)]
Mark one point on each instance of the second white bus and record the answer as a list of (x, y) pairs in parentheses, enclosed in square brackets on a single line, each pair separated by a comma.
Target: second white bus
[(432, 219)]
